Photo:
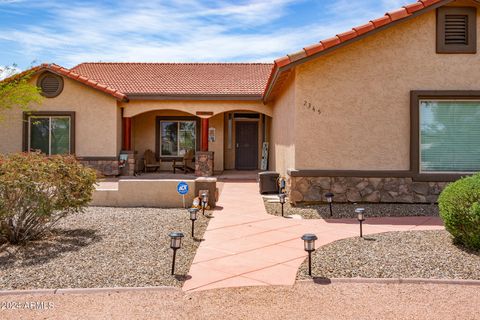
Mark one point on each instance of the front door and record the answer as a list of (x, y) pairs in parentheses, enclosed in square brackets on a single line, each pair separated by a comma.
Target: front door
[(246, 137)]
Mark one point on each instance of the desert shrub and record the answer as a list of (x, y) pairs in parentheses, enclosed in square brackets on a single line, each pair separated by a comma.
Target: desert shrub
[(459, 205), (36, 191)]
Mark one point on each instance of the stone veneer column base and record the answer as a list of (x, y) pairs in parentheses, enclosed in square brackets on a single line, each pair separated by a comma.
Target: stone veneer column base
[(103, 167), (204, 163), (357, 189)]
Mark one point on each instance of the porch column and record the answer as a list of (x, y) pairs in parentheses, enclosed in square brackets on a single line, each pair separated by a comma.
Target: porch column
[(127, 134), (204, 139)]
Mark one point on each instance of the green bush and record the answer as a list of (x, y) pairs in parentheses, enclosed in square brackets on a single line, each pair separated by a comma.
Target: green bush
[(36, 191), (459, 205)]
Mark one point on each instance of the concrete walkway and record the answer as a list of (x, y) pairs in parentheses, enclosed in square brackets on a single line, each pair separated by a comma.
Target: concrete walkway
[(245, 246)]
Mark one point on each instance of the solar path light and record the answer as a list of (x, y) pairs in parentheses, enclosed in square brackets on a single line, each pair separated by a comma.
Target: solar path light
[(204, 202), (329, 197), (175, 244), (193, 216), (360, 217), (309, 243), (282, 197)]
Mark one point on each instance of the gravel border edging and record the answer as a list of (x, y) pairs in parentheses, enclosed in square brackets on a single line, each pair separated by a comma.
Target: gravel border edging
[(324, 281), (87, 290)]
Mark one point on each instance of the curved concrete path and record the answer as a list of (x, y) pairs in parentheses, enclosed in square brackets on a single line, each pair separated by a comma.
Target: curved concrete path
[(245, 246)]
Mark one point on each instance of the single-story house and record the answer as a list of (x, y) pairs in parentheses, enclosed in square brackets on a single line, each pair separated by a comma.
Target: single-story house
[(388, 111)]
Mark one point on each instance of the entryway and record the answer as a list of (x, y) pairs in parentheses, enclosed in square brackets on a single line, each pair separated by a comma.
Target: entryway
[(246, 155)]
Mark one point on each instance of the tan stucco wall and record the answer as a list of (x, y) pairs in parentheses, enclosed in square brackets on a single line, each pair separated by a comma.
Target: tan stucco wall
[(144, 193), (282, 146), (136, 107), (363, 92), (96, 121)]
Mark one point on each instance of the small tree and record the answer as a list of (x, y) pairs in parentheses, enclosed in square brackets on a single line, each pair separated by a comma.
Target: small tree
[(36, 191), (16, 91)]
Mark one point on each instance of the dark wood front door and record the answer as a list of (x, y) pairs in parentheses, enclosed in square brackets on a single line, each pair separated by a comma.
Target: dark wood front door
[(246, 153)]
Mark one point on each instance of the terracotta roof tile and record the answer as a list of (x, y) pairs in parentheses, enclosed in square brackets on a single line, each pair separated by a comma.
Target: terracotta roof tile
[(398, 14), (229, 79), (347, 35), (283, 61), (427, 3), (297, 55), (72, 75), (364, 28), (314, 48), (379, 22), (330, 42), (414, 7)]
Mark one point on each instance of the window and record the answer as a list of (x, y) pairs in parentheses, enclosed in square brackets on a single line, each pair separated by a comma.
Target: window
[(177, 137), (50, 133), (449, 136), (456, 30)]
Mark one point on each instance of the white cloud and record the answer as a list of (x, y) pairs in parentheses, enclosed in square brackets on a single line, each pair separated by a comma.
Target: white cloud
[(8, 71), (178, 30)]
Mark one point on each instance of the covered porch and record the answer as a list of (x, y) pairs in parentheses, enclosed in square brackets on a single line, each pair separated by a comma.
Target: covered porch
[(223, 136)]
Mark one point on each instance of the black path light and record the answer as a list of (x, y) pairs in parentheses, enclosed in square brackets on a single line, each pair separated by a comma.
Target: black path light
[(282, 197), (329, 197), (360, 217), (193, 216), (309, 243), (175, 244), (204, 202)]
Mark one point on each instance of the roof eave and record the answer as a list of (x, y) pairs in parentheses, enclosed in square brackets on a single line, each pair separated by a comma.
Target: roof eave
[(224, 97)]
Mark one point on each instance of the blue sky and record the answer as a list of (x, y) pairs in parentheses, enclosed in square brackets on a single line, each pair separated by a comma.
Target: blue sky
[(70, 32)]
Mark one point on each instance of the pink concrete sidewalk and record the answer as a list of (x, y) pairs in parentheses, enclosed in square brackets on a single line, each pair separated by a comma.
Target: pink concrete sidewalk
[(245, 246)]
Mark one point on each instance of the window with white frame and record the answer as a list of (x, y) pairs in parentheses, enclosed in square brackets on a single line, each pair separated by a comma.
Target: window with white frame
[(177, 137), (49, 134), (449, 136)]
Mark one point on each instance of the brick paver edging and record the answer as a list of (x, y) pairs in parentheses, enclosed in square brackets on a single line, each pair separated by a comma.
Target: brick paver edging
[(324, 281), (86, 290)]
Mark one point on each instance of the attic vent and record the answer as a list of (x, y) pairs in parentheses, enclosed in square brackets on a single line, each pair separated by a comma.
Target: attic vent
[(51, 85), (456, 30)]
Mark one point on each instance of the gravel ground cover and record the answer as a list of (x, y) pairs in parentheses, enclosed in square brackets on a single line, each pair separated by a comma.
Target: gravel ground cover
[(347, 210), (104, 247), (411, 254)]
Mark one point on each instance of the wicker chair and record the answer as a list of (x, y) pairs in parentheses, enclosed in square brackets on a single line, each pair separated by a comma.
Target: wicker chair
[(186, 164), (149, 161)]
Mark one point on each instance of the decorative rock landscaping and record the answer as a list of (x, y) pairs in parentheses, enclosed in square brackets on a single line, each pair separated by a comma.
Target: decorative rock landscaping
[(357, 189), (411, 254), (347, 210), (104, 247)]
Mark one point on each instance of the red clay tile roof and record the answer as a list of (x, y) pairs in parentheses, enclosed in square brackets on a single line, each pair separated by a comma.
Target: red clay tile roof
[(276, 78), (72, 75), (181, 79)]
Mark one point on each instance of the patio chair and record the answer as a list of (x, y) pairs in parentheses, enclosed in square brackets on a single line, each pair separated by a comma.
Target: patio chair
[(186, 164), (149, 161)]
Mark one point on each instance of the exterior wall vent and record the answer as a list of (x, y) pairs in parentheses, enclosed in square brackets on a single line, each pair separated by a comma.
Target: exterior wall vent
[(51, 85), (457, 30)]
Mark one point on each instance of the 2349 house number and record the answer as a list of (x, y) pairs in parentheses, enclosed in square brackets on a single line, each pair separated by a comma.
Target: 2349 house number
[(309, 106)]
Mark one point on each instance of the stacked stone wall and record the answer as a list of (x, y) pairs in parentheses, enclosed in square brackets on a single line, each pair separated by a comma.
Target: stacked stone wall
[(358, 189)]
